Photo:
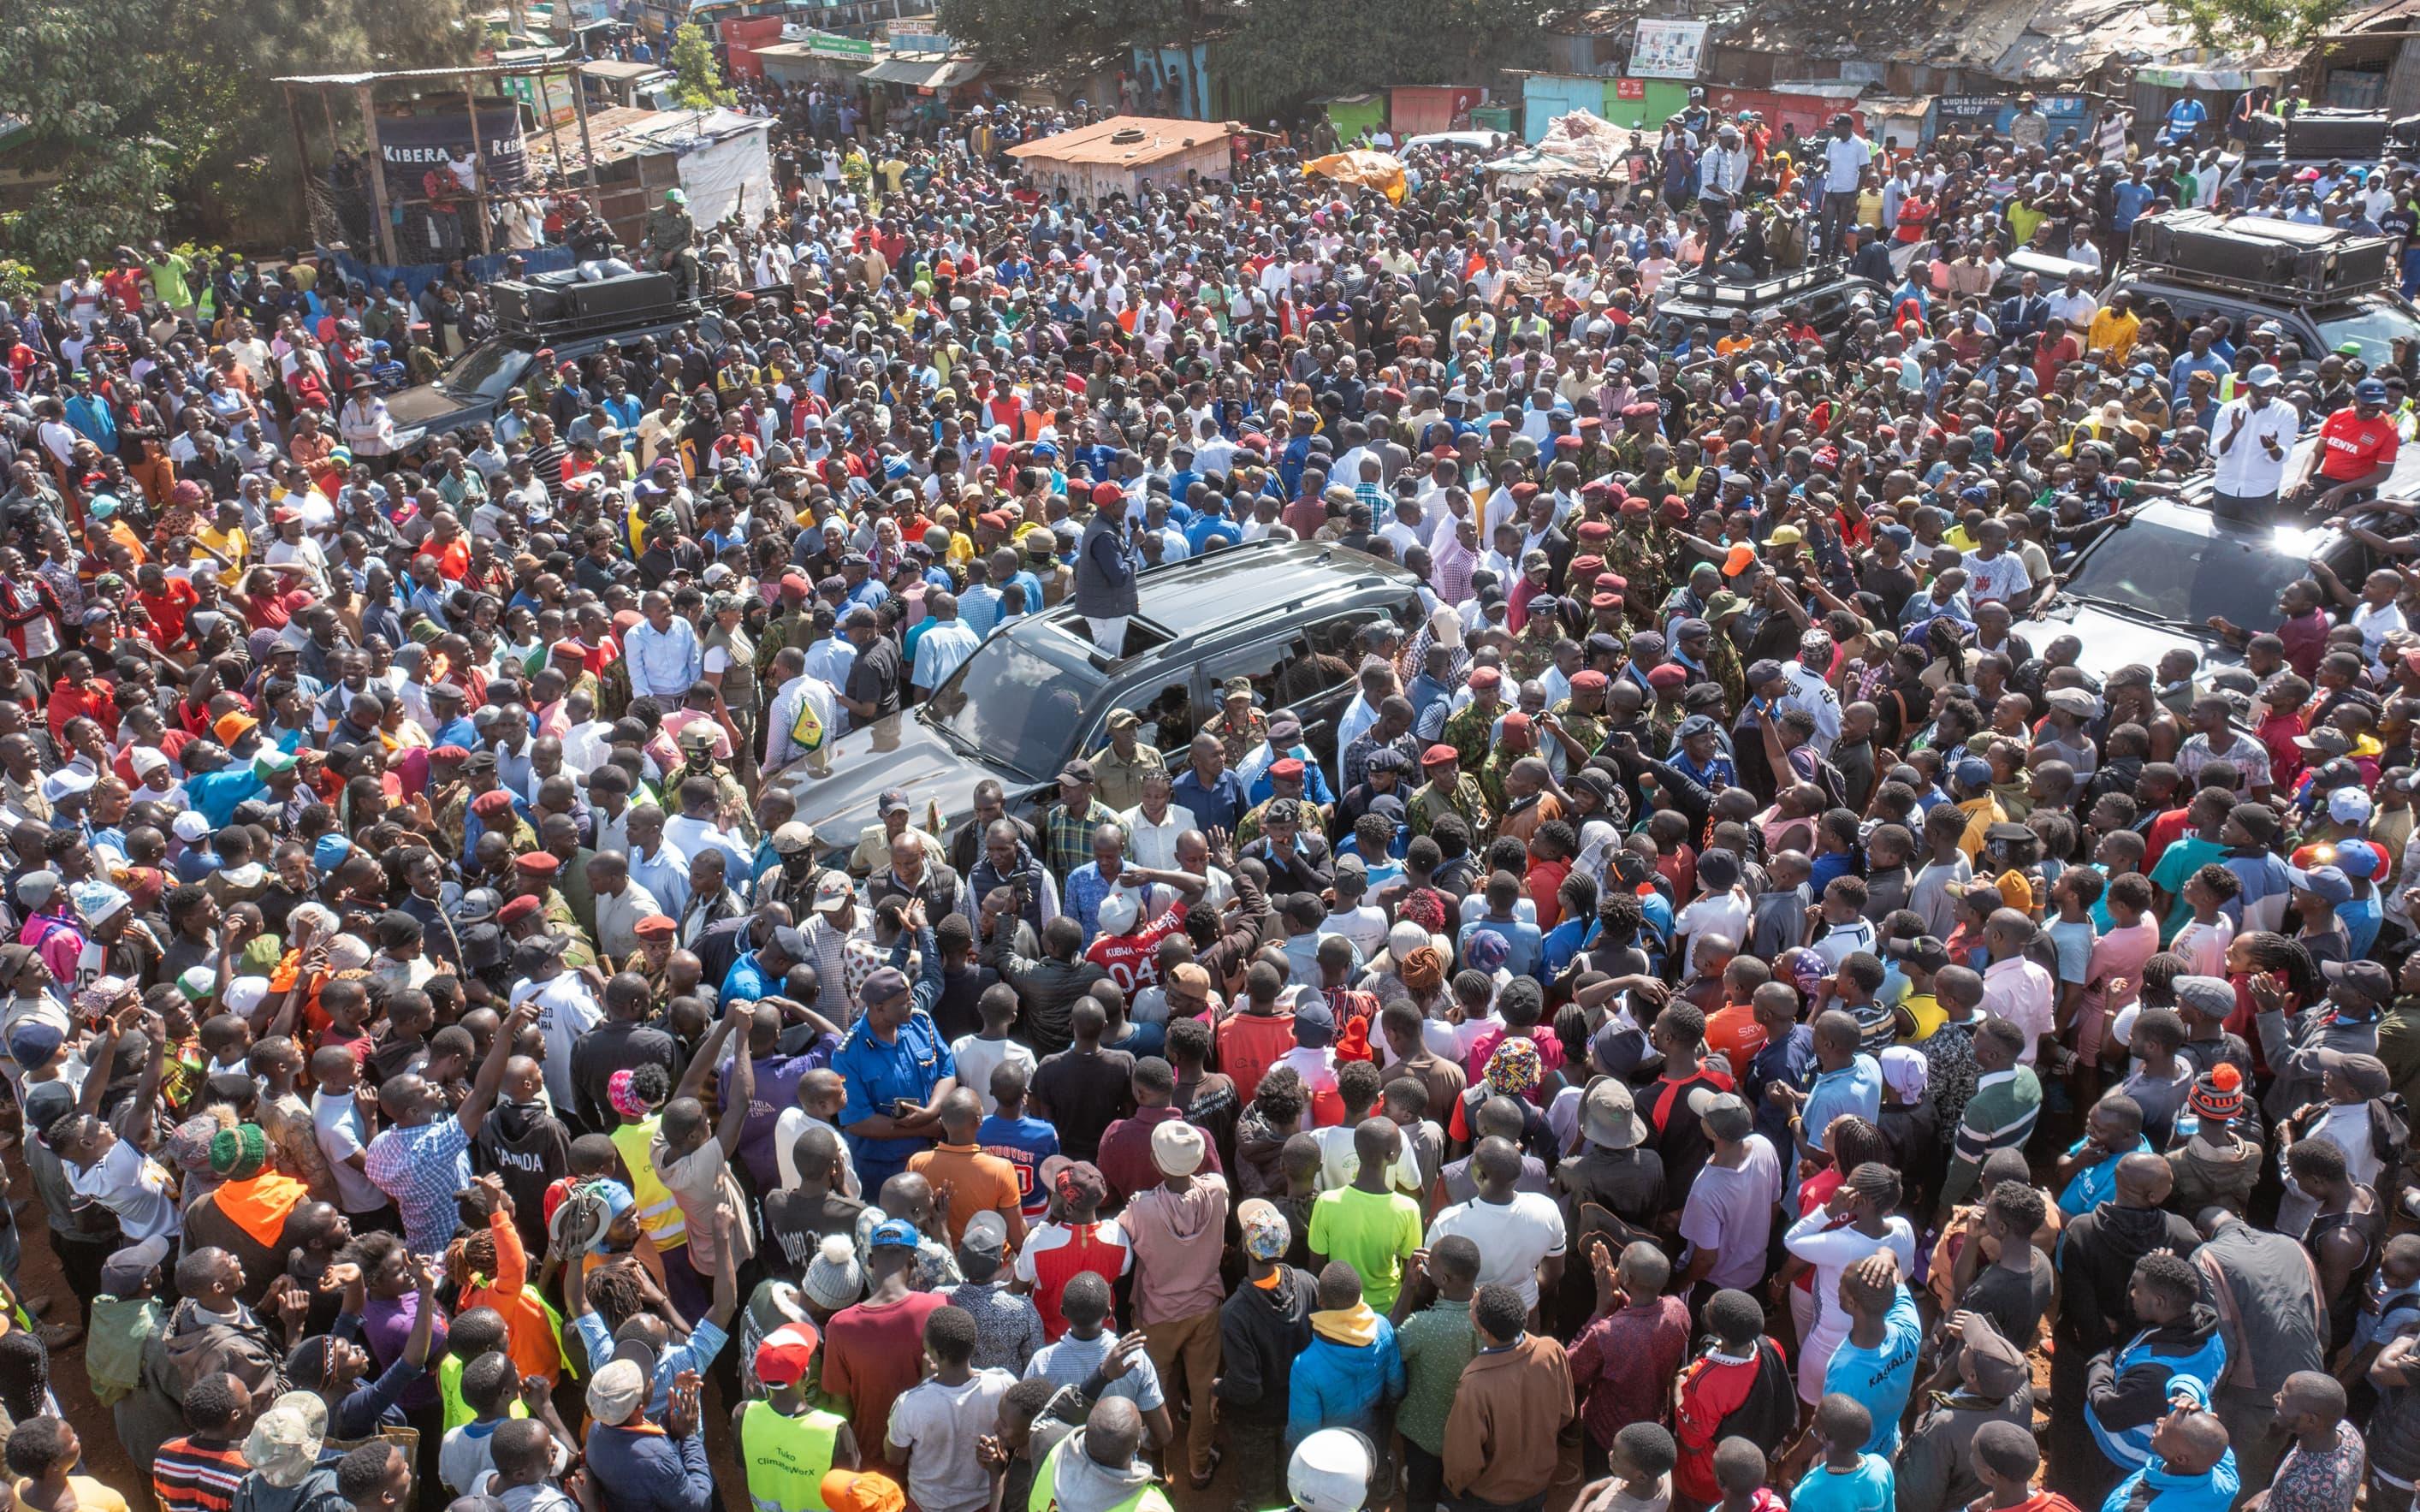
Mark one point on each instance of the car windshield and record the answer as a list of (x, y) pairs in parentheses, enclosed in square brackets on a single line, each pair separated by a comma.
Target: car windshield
[(2183, 577), (485, 371), (2372, 326), (1017, 701)]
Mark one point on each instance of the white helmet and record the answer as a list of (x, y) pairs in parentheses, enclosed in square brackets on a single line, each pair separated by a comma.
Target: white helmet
[(1330, 1471)]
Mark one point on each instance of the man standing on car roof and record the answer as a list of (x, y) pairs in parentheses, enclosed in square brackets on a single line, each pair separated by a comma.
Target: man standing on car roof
[(2252, 437)]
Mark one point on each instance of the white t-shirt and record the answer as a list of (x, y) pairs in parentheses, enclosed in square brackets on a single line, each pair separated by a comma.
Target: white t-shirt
[(939, 1426), (335, 1119), (978, 1057), (1338, 1164), (564, 1012), (134, 1186), (1512, 1238)]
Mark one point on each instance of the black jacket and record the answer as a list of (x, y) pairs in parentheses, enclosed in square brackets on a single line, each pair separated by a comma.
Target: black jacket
[(1260, 1333)]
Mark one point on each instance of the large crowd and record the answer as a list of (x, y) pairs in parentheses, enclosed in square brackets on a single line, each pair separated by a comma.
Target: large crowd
[(1732, 1011)]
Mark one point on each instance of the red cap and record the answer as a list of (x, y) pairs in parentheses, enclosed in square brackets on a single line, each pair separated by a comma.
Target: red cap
[(1105, 494), (1440, 756), (518, 909), (1486, 677)]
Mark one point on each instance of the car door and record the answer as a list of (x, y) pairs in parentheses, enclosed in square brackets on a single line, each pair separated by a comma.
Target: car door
[(1320, 680), (1171, 708)]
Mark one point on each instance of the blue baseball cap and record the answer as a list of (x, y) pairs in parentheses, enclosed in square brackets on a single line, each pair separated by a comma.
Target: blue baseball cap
[(893, 1233)]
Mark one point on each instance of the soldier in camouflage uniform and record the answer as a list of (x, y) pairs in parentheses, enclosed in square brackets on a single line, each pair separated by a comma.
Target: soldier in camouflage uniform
[(1519, 740), (1238, 726), (1533, 650), (671, 245), (1634, 554), (1448, 790), (1473, 730), (1638, 433), (1722, 655), (697, 760), (1579, 719)]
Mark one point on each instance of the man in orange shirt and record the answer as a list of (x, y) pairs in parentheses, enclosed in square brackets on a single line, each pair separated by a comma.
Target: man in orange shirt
[(965, 1181)]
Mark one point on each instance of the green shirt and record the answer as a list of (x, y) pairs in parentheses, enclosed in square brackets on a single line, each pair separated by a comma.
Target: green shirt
[(2181, 859), (1436, 1342), (168, 280), (1373, 1232)]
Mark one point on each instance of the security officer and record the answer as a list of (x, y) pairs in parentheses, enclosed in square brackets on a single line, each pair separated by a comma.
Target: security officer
[(671, 241)]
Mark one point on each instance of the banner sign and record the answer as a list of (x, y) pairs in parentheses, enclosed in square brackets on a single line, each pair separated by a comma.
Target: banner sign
[(412, 145), (1968, 110), (1668, 49)]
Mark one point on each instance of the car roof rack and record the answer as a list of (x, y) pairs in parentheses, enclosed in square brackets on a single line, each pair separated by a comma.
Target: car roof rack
[(1704, 288), (2262, 256)]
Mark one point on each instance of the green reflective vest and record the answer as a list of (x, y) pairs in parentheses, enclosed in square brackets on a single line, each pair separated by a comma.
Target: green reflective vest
[(1046, 1482), (786, 1458)]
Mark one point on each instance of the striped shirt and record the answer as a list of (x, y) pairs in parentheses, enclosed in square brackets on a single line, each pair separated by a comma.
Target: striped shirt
[(2000, 1116), (194, 1475)]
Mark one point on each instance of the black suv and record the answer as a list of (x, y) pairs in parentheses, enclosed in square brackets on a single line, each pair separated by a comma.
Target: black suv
[(1284, 614), (472, 389)]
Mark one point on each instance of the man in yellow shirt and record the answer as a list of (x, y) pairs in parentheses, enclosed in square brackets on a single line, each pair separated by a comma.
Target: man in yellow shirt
[(2115, 328), (225, 536)]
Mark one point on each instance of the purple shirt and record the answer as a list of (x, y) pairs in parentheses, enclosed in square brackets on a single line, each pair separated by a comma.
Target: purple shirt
[(777, 1087), (386, 1328)]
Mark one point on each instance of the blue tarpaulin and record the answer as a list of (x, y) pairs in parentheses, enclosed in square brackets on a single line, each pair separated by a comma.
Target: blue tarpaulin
[(418, 277)]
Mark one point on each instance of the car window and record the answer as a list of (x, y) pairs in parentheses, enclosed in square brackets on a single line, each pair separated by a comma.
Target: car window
[(1168, 713), (487, 371), (2183, 577), (1017, 701), (1261, 664), (2373, 328)]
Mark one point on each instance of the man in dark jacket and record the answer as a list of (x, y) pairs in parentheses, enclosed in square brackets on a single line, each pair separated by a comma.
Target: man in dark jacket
[(2275, 1319), (2096, 1266), (1936, 1468), (1262, 1327), (1105, 574), (1047, 986)]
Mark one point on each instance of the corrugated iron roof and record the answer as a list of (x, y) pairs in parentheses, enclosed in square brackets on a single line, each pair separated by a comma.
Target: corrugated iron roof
[(1153, 139), (924, 73), (2019, 41)]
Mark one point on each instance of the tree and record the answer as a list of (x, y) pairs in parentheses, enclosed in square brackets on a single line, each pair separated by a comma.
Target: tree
[(1070, 37), (194, 137), (90, 118), (2255, 25), (701, 86)]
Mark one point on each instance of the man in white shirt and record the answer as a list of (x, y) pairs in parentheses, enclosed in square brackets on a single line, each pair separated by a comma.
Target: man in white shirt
[(1846, 157), (2074, 303), (2253, 438)]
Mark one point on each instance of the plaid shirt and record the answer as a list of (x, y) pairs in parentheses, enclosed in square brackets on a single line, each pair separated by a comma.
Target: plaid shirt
[(1067, 836), (423, 1168)]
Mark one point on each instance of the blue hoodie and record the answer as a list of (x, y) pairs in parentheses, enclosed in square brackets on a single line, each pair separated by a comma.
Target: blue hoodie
[(1349, 1374), (2213, 1491)]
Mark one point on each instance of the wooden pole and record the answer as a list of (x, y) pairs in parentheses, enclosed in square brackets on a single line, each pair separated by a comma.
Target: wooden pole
[(301, 158), (378, 175), (328, 118), (553, 137), (587, 148), (480, 196)]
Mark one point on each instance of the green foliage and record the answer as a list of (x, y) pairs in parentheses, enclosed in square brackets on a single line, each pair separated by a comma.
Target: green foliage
[(701, 84), (17, 281), (160, 113), (1269, 54), (2247, 25)]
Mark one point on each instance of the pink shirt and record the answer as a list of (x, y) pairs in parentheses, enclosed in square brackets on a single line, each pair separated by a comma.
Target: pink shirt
[(2120, 953), (1176, 1237)]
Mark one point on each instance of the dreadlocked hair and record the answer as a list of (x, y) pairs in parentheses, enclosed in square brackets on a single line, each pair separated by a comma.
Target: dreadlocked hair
[(615, 1293)]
